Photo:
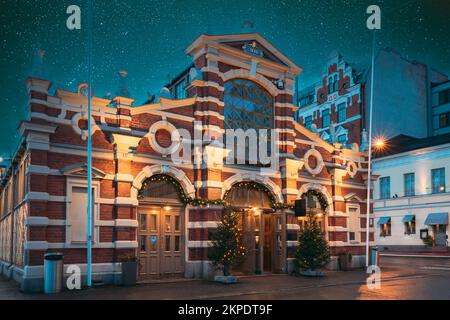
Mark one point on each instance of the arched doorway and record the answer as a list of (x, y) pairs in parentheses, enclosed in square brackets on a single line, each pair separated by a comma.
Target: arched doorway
[(260, 225), (316, 206), (161, 228)]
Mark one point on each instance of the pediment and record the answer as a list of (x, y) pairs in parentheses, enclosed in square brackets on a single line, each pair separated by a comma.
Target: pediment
[(352, 197), (80, 170), (252, 44)]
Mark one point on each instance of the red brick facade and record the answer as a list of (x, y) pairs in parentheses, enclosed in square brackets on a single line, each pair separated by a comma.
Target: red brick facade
[(124, 155)]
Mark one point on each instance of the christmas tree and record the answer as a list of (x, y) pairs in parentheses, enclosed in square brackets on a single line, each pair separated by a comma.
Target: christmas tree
[(227, 248), (312, 252)]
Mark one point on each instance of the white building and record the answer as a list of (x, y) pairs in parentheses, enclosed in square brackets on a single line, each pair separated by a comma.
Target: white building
[(412, 193)]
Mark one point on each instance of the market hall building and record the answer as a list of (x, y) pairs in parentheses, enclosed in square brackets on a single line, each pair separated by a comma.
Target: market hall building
[(164, 212)]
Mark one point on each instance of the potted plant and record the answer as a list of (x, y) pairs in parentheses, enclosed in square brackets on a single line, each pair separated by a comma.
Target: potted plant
[(227, 247), (129, 270), (428, 241), (313, 252)]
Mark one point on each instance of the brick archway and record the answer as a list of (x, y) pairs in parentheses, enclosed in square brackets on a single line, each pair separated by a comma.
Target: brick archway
[(263, 180), (149, 171)]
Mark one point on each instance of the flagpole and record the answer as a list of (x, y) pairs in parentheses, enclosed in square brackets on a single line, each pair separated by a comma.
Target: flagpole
[(89, 153), (369, 165)]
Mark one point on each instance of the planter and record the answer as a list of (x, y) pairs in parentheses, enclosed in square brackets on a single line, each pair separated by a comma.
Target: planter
[(225, 279), (312, 273), (129, 273)]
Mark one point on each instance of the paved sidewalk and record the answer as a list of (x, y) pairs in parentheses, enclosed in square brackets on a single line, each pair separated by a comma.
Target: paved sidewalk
[(335, 285)]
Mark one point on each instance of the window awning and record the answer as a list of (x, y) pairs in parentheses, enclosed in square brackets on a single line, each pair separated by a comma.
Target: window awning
[(384, 220), (408, 218), (437, 218)]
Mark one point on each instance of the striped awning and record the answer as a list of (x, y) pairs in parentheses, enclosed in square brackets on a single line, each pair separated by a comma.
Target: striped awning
[(408, 218), (384, 220), (437, 218)]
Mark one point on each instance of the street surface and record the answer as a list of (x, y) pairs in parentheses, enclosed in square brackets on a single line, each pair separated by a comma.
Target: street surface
[(402, 278)]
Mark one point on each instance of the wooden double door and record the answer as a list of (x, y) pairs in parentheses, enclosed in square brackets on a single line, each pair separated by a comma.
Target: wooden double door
[(262, 238), (161, 242)]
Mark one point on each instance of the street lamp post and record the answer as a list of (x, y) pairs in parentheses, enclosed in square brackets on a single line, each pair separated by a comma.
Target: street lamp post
[(89, 153), (369, 164)]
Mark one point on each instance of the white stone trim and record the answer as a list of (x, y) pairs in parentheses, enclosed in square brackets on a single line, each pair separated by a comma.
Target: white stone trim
[(202, 224), (36, 221), (199, 243), (320, 164), (209, 114), (292, 226)]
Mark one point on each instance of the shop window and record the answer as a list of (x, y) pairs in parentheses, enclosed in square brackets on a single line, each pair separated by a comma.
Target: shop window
[(385, 229), (410, 226)]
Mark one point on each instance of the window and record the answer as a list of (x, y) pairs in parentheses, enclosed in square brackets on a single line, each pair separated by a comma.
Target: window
[(354, 223), (438, 180), (385, 229), (308, 122), (342, 115), (409, 184), (335, 83), (410, 226), (444, 120), (342, 139), (247, 106), (444, 96), (77, 215), (385, 187), (330, 84), (325, 118)]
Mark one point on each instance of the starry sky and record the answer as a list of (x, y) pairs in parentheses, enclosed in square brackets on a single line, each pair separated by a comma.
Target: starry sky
[(147, 38)]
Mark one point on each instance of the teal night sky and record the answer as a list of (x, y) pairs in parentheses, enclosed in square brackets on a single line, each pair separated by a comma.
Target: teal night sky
[(148, 38)]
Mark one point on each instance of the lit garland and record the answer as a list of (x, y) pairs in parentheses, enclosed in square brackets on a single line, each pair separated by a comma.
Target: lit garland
[(323, 202), (186, 199)]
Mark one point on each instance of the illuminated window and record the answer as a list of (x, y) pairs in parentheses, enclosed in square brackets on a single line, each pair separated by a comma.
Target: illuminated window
[(247, 106), (438, 180)]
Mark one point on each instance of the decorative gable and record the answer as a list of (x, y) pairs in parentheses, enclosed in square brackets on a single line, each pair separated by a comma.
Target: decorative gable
[(80, 170)]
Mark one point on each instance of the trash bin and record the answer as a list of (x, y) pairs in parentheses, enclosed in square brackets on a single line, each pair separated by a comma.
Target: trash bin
[(53, 272), (375, 256)]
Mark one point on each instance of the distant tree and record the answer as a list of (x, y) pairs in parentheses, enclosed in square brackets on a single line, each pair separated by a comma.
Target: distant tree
[(313, 251), (227, 248)]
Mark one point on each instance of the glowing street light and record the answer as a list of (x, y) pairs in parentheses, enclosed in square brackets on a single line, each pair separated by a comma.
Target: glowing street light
[(379, 143)]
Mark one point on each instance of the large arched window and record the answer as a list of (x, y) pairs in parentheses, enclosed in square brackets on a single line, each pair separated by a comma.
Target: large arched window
[(247, 105)]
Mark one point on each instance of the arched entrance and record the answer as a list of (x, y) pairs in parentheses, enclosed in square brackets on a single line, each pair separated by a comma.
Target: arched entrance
[(317, 205), (161, 228), (260, 224)]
